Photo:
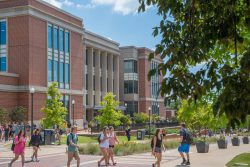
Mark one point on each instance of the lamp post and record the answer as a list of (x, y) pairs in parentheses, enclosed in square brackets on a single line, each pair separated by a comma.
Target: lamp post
[(32, 91), (158, 107), (149, 111), (125, 104), (73, 106)]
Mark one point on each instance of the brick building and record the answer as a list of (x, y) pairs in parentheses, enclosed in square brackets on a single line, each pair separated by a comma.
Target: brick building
[(39, 44), (135, 90)]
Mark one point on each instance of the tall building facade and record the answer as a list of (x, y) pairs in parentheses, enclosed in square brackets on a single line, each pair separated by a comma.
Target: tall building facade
[(101, 71), (40, 44), (136, 92)]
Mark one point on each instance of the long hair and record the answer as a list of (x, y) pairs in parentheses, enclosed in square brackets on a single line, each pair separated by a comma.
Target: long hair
[(157, 132), (37, 130), (20, 132)]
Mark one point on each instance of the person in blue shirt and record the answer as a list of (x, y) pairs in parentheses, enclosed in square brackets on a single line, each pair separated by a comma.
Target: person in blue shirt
[(73, 148)]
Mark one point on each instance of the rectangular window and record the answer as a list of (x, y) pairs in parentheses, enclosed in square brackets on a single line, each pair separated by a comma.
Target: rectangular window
[(3, 33), (3, 66), (93, 58), (87, 80), (61, 71), (87, 99), (130, 66), (50, 67), (55, 71), (67, 42), (50, 30), (61, 37), (100, 60), (94, 82), (94, 99), (67, 73), (86, 61), (130, 86), (55, 38)]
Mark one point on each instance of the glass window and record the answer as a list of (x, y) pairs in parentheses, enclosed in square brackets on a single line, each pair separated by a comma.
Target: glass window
[(87, 99), (86, 61), (61, 72), (50, 36), (55, 71), (87, 84), (130, 86), (56, 38), (61, 40), (94, 59), (67, 42), (3, 33), (66, 73), (94, 82), (3, 66), (50, 64)]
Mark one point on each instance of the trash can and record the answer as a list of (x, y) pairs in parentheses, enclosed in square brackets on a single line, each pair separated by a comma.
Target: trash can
[(141, 134), (48, 136)]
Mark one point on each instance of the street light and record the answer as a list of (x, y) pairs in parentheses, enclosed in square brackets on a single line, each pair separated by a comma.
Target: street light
[(149, 111), (73, 105), (32, 91), (158, 107), (125, 104)]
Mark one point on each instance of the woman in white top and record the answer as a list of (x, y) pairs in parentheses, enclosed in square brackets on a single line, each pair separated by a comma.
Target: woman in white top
[(104, 146)]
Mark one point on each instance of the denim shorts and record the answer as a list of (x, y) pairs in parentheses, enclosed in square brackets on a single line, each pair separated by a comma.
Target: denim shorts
[(158, 150), (184, 148)]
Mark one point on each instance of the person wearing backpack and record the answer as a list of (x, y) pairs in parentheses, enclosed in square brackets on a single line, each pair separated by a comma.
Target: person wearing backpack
[(185, 142), (157, 146), (18, 147), (104, 146), (73, 148)]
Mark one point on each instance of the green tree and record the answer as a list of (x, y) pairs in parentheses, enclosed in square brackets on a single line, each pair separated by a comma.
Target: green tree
[(109, 115), (141, 117), (4, 116), (125, 120), (18, 114), (213, 37), (54, 111)]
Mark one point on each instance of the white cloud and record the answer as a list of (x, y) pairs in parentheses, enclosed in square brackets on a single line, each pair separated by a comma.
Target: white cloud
[(124, 7), (68, 3), (55, 3)]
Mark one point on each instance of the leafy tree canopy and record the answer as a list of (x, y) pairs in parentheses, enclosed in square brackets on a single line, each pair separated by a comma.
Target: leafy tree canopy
[(18, 114), (54, 111), (213, 37), (109, 115), (4, 116)]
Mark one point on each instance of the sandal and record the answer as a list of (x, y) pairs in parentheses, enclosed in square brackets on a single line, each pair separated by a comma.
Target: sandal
[(114, 163)]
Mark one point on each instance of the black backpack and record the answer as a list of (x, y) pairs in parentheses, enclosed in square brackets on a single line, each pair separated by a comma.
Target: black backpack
[(99, 138), (187, 137), (152, 142), (72, 138), (13, 146)]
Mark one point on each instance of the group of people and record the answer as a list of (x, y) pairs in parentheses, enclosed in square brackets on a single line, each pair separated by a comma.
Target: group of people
[(19, 143)]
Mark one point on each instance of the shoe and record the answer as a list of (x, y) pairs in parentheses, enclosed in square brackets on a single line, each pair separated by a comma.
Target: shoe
[(184, 162), (188, 163), (153, 165), (37, 160), (114, 163), (99, 164)]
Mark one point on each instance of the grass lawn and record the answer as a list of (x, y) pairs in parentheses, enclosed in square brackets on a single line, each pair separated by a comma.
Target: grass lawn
[(85, 139), (242, 158)]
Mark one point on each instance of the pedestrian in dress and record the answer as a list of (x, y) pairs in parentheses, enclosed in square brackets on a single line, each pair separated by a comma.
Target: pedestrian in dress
[(104, 146), (36, 138), (19, 148), (112, 141)]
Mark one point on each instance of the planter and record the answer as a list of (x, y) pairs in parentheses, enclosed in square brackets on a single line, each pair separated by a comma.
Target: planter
[(202, 147), (245, 140), (235, 141), (222, 144)]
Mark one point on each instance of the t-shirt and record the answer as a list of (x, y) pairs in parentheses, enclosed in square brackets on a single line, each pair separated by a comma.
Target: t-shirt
[(104, 144), (183, 133), (128, 132), (112, 139), (72, 137)]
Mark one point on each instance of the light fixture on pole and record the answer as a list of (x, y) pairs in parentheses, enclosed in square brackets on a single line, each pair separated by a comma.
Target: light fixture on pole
[(149, 112), (73, 106), (158, 109), (32, 91), (125, 104)]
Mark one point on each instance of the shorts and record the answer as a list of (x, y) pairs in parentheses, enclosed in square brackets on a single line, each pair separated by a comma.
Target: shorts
[(111, 146), (158, 150), (184, 148)]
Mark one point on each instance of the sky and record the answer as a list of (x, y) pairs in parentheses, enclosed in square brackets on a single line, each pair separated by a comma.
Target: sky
[(115, 19)]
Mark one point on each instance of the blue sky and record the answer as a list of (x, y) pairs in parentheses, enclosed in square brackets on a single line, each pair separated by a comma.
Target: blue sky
[(115, 19)]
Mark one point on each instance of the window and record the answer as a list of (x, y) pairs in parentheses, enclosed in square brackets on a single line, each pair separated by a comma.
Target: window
[(93, 58), (86, 61), (130, 66), (132, 108), (94, 82), (56, 38), (55, 71), (61, 71), (50, 30), (87, 99), (155, 85), (3, 33), (67, 42), (87, 84), (67, 73), (61, 37), (3, 47), (50, 64), (130, 86), (65, 100), (94, 99)]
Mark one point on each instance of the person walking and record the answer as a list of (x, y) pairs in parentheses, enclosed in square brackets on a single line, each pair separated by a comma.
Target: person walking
[(157, 147), (19, 148), (36, 138), (6, 132), (128, 133), (104, 145), (73, 148), (184, 144), (112, 140)]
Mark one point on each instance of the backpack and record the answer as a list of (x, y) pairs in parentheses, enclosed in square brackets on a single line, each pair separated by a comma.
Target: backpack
[(99, 138), (152, 142), (188, 137), (12, 146), (72, 138)]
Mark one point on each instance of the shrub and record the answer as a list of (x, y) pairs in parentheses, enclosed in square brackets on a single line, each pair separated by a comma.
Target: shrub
[(18, 114), (141, 118), (4, 116)]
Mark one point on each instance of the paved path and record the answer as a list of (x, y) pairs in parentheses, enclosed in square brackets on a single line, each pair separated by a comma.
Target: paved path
[(55, 156)]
